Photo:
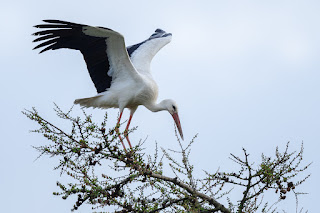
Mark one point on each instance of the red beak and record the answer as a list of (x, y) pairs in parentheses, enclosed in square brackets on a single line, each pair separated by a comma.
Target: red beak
[(177, 121)]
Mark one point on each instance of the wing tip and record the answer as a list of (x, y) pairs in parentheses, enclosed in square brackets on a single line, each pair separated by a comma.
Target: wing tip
[(51, 20)]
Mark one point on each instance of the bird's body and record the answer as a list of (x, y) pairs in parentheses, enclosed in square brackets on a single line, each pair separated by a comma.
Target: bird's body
[(121, 75), (128, 94)]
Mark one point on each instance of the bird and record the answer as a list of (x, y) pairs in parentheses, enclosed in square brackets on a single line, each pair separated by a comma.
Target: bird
[(121, 75)]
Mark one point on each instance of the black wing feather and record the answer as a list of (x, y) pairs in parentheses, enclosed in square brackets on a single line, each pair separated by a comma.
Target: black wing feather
[(62, 34), (45, 38), (47, 42), (133, 48)]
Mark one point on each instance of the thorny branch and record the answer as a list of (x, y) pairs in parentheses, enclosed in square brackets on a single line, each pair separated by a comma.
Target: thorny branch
[(135, 182)]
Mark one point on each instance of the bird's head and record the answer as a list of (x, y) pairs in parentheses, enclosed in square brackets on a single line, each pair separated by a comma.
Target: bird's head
[(172, 108)]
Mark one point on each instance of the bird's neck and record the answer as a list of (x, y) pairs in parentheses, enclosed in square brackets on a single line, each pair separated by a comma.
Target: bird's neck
[(154, 107)]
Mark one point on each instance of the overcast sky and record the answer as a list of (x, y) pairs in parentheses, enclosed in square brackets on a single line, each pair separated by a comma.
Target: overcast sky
[(244, 74)]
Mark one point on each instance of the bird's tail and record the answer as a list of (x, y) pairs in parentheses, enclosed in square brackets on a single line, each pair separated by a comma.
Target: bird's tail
[(88, 102)]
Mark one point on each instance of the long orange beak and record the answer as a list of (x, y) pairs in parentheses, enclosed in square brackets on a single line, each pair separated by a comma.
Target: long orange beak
[(177, 121)]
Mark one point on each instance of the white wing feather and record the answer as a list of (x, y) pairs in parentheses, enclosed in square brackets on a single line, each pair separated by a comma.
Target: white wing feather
[(143, 55)]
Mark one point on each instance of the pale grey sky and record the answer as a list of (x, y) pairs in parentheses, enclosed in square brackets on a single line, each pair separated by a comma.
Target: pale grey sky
[(244, 74)]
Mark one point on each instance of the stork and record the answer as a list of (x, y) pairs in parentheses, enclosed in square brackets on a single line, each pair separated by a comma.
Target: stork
[(121, 75)]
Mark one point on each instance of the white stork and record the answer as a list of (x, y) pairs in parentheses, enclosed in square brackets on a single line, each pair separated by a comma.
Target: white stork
[(121, 75)]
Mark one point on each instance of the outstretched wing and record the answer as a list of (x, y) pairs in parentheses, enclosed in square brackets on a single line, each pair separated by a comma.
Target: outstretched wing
[(141, 54), (103, 49)]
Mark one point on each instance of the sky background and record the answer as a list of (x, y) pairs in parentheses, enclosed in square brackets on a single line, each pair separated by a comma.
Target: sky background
[(244, 74)]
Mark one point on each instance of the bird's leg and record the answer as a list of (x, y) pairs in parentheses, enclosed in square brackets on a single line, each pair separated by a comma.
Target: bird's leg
[(117, 130), (132, 110), (126, 131)]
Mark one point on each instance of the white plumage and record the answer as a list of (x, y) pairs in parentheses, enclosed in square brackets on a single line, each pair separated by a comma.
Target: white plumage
[(121, 75)]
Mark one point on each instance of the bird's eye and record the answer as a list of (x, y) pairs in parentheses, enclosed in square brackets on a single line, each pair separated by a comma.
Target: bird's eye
[(174, 108)]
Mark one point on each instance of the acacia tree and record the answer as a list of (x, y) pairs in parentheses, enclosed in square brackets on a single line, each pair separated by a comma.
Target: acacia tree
[(137, 182)]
